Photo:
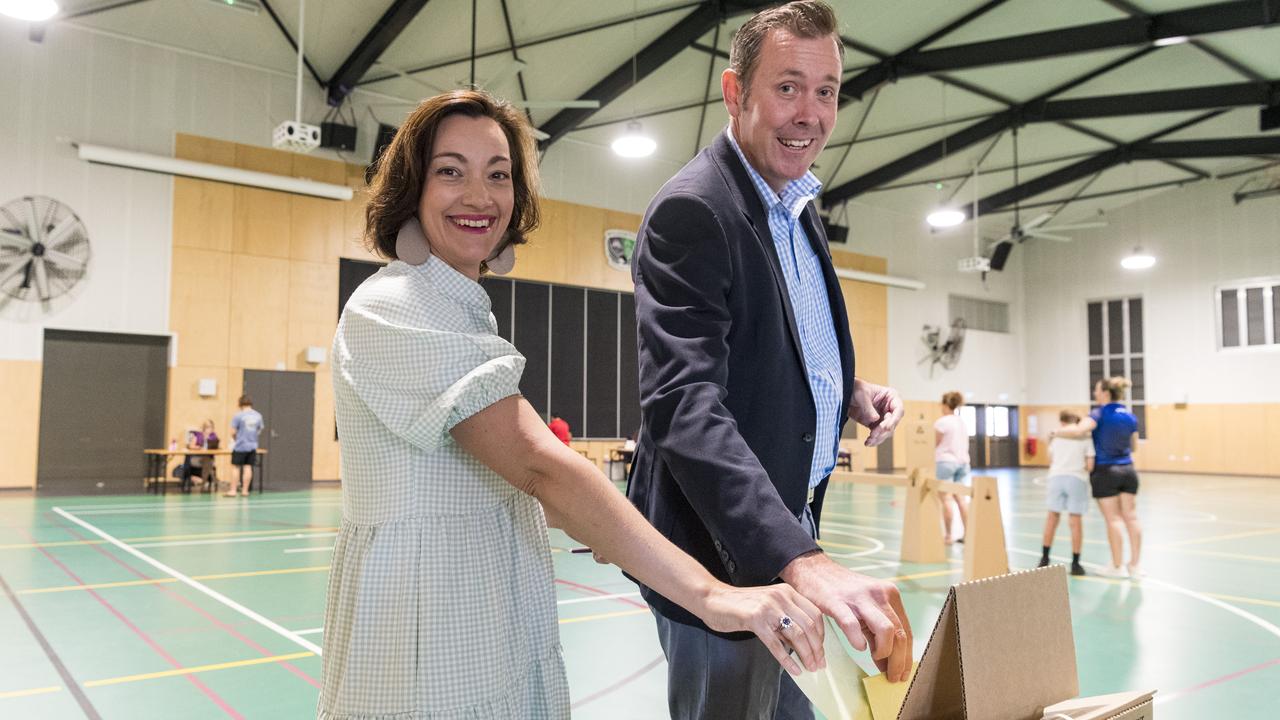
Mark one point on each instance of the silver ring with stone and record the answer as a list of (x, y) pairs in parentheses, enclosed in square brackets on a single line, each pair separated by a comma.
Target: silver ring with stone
[(785, 623)]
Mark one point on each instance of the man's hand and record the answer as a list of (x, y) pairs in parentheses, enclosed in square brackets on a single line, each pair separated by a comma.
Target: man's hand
[(862, 606), (876, 407)]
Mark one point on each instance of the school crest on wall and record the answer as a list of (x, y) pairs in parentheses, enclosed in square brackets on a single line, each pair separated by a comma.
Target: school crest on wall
[(619, 245)]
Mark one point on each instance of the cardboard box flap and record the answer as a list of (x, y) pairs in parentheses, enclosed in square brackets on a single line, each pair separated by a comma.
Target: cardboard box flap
[(1098, 707), (937, 690), (1017, 650), (1002, 648)]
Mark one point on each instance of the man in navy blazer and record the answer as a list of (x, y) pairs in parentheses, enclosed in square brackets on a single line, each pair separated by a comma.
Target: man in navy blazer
[(747, 374)]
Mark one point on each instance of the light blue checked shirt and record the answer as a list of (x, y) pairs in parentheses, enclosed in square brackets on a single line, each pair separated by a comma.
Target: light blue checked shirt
[(808, 292)]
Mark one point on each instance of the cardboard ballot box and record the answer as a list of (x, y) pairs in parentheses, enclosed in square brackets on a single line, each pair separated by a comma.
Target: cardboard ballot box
[(1002, 649)]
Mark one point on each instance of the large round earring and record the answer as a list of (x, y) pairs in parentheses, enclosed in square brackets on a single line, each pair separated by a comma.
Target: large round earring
[(504, 262), (412, 246)]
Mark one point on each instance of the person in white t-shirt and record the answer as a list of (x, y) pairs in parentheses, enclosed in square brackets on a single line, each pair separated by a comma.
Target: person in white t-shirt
[(1071, 460), (951, 460)]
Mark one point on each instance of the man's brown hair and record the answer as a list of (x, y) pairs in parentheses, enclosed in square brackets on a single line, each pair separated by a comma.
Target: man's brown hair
[(802, 18)]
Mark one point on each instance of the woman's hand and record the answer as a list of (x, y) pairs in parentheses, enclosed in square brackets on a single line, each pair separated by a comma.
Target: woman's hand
[(761, 610)]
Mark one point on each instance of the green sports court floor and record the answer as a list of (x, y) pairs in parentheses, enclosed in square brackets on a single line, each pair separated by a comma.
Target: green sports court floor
[(209, 607)]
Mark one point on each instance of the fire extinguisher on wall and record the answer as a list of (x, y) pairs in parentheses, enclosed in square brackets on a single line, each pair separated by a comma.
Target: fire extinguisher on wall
[(1033, 445)]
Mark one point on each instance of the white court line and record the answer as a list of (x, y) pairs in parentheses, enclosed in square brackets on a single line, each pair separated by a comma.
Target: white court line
[(243, 505), (176, 503), (597, 598), (310, 549), (281, 631), (309, 631), (1148, 580), (220, 541)]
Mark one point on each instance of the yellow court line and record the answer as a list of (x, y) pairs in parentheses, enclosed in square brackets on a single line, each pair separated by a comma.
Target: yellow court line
[(1232, 536), (1219, 553), (197, 669), (604, 616), (156, 581), (932, 573), (190, 536), (32, 691), (1251, 601)]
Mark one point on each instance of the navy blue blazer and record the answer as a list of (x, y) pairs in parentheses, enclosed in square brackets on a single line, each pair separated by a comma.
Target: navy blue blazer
[(726, 442)]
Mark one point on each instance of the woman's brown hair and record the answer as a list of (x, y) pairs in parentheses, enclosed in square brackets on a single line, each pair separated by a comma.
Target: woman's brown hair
[(1115, 387), (402, 169), (953, 400)]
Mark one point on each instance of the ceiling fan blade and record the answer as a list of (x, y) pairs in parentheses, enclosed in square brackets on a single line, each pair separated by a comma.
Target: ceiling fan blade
[(556, 104), (410, 78), (506, 71), (1047, 236), (1080, 226), (1038, 221)]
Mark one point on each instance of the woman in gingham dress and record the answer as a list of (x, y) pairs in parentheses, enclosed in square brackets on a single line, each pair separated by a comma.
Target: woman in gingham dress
[(440, 601)]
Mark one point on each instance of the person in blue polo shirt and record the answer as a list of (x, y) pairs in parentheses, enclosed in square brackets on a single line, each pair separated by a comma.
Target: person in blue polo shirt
[(1114, 481)]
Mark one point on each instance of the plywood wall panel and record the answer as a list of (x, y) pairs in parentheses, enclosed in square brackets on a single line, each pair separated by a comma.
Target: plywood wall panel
[(313, 302), (203, 149), (261, 223), (316, 228), (202, 214), (259, 313), (20, 422), (200, 305), (324, 449)]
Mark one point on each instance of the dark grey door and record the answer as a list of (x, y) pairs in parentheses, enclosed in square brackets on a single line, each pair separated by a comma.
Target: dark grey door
[(287, 403), (978, 442), (1004, 448), (102, 402)]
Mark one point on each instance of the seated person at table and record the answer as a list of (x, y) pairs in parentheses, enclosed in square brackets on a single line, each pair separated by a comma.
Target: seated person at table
[(203, 439)]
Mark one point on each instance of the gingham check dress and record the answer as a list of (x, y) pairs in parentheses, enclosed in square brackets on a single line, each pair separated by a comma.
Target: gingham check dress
[(440, 601)]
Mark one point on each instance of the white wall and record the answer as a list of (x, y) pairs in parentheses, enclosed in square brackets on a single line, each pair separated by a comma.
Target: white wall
[(1200, 238), (991, 365), (90, 87)]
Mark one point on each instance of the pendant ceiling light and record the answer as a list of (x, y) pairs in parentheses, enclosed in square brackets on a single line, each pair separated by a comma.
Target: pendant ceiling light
[(945, 218), (1139, 260), (634, 143), (32, 10)]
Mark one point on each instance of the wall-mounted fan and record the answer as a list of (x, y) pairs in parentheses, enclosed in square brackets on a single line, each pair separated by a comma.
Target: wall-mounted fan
[(942, 351), (44, 250)]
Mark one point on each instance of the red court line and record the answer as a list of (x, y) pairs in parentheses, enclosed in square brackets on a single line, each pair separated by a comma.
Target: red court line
[(217, 699), (1163, 698), (201, 611), (598, 591), (618, 685)]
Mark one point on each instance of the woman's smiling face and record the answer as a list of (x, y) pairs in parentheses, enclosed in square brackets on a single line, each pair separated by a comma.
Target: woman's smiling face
[(468, 196)]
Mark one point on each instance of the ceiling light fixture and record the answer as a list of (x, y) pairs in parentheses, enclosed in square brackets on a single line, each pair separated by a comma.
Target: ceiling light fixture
[(634, 143), (945, 218), (1139, 260), (32, 10), (1167, 41)]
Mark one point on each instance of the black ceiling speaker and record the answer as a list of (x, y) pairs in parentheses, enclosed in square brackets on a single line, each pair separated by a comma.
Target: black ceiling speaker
[(1000, 254), (385, 135)]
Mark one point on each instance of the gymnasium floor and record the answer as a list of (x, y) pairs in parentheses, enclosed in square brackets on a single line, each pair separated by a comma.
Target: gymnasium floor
[(207, 607)]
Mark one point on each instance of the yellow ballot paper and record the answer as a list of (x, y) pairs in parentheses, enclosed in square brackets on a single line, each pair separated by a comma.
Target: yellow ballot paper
[(836, 690), (884, 697)]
